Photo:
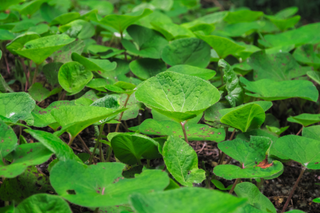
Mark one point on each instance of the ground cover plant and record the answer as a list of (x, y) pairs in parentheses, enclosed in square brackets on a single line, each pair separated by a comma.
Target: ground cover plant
[(157, 106)]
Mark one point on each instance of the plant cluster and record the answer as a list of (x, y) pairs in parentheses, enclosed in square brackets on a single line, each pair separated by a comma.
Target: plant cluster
[(78, 66)]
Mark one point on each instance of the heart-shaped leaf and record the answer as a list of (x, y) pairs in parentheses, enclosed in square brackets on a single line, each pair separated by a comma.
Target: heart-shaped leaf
[(129, 148), (145, 68), (8, 139), (149, 42), (108, 188), (196, 199), (254, 196), (195, 132), (43, 203), (301, 149), (221, 45), (230, 172), (247, 153), (271, 90), (190, 51), (25, 155), (278, 67), (245, 117), (178, 96), (205, 74), (182, 161), (39, 49), (16, 106), (305, 119), (73, 77)]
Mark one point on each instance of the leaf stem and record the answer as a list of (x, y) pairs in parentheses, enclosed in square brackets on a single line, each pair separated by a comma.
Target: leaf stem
[(184, 131), (121, 114), (234, 186), (70, 140), (25, 73), (84, 145), (35, 75), (5, 59), (300, 131), (293, 189), (96, 145)]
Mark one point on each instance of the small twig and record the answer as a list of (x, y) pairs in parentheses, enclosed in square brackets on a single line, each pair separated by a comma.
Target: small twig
[(204, 144), (184, 131), (84, 144), (300, 131)]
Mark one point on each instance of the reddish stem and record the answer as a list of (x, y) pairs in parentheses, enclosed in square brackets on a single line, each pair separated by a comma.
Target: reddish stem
[(184, 131)]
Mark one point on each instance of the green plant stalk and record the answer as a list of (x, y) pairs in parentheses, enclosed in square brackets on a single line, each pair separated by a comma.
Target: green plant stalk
[(35, 75), (84, 145), (5, 59), (125, 52), (234, 185), (121, 114), (293, 189), (24, 67), (184, 131), (300, 131), (96, 145), (260, 184), (71, 139)]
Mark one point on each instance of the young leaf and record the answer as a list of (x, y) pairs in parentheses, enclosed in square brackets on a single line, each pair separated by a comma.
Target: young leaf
[(235, 91), (272, 90), (20, 40), (149, 42), (8, 139), (73, 77), (205, 74), (305, 119), (220, 185), (108, 188), (196, 199), (129, 148), (178, 96), (190, 51), (145, 68), (245, 117), (43, 203), (182, 162)]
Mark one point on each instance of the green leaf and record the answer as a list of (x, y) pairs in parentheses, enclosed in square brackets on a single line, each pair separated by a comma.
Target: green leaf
[(271, 90), (73, 77), (254, 196), (305, 119), (6, 35), (300, 149), (235, 91), (133, 106), (80, 29), (221, 45), (103, 51), (316, 200), (182, 162), (103, 7), (314, 75), (40, 93), (149, 42), (247, 153), (129, 148), (278, 67), (283, 23), (195, 132), (74, 119), (8, 139), (172, 31), (54, 144), (305, 54), (195, 199), (65, 18), (20, 40), (50, 71), (16, 106), (239, 29), (64, 54), (29, 8), (25, 155), (287, 12), (220, 185), (311, 132), (40, 29), (277, 130), (107, 188), (190, 51), (242, 16), (177, 95), (230, 172), (4, 4), (145, 68), (205, 74), (245, 117), (28, 183), (39, 49), (121, 22), (43, 203)]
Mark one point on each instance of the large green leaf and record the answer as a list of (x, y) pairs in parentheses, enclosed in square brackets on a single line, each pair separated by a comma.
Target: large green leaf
[(301, 149), (80, 29), (121, 22), (306, 54), (172, 31), (149, 42), (30, 8), (129, 148), (25, 155), (65, 18), (43, 203), (312, 132), (8, 139), (230, 172), (73, 77), (248, 153), (221, 45), (40, 93), (63, 55), (39, 49), (182, 161), (145, 68), (190, 51), (20, 40), (205, 74), (283, 23), (254, 196), (245, 117), (4, 4), (16, 106), (103, 51), (50, 71), (271, 90), (314, 75), (305, 119), (195, 132), (242, 16), (278, 67), (239, 29), (194, 199), (107, 187), (176, 95)]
